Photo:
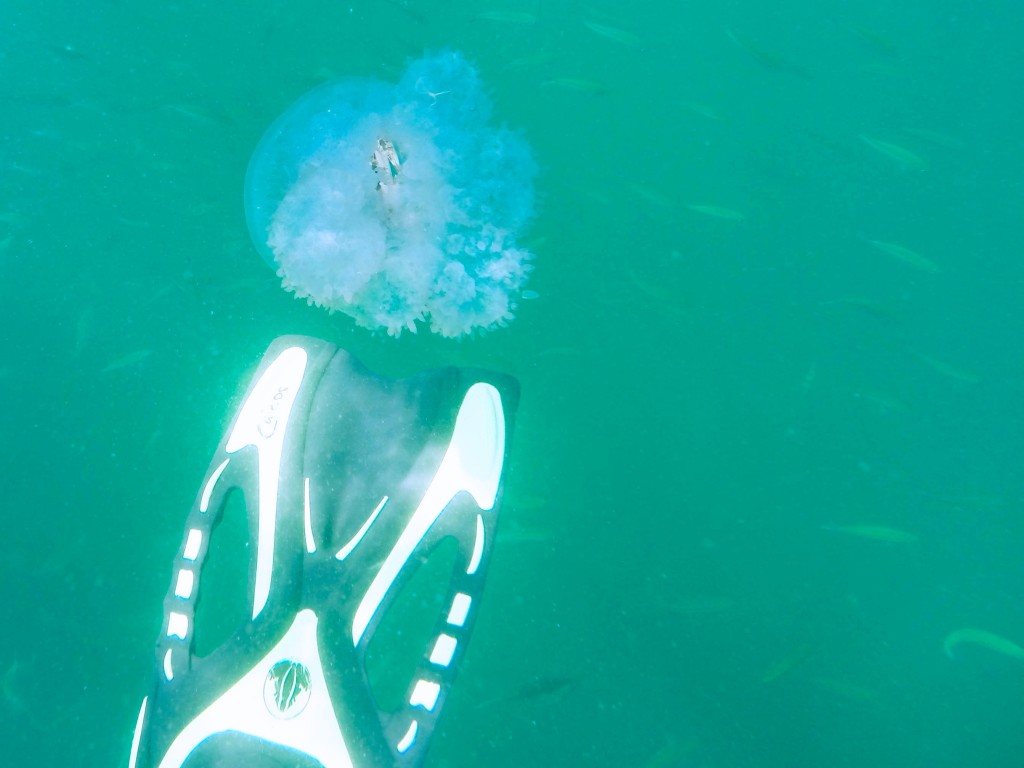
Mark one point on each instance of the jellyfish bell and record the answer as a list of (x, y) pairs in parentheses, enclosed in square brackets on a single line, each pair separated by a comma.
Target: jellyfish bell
[(397, 204), (322, 117)]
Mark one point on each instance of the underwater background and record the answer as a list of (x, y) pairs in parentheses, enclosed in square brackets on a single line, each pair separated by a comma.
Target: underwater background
[(768, 456)]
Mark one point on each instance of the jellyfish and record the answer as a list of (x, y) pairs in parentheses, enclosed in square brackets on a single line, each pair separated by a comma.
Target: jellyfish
[(397, 204)]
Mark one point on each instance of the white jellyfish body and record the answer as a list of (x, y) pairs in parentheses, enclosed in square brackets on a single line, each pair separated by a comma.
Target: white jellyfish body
[(396, 203)]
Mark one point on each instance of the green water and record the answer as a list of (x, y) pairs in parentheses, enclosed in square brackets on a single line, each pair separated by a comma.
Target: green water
[(709, 402)]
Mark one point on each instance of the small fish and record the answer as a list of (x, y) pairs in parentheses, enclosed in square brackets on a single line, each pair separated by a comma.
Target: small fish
[(901, 155), (543, 687), (400, 5), (509, 535), (620, 36), (576, 85), (674, 754), (787, 663), (810, 377), (529, 295), (85, 329), (907, 256), (11, 699), (845, 689), (883, 401), (874, 533), (769, 59), (933, 137), (533, 244), (700, 606), (701, 109), (199, 114), (522, 18), (530, 61), (528, 502), (651, 289), (985, 639), (564, 350), (975, 500), (132, 358), (133, 223), (650, 195), (877, 308), (717, 212), (875, 41), (944, 368), (69, 52)]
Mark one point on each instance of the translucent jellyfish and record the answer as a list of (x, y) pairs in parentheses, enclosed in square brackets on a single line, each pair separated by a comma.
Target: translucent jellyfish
[(396, 204)]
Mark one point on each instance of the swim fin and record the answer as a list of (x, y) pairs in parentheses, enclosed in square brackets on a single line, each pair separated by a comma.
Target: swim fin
[(351, 482)]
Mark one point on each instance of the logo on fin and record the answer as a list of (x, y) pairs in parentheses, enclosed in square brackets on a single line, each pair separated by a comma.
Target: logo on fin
[(287, 689)]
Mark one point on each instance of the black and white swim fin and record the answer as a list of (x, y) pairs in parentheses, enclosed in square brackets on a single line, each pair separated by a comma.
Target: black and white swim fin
[(350, 482)]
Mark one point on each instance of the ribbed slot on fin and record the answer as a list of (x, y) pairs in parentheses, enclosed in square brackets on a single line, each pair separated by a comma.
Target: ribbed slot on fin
[(224, 601), (406, 633)]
